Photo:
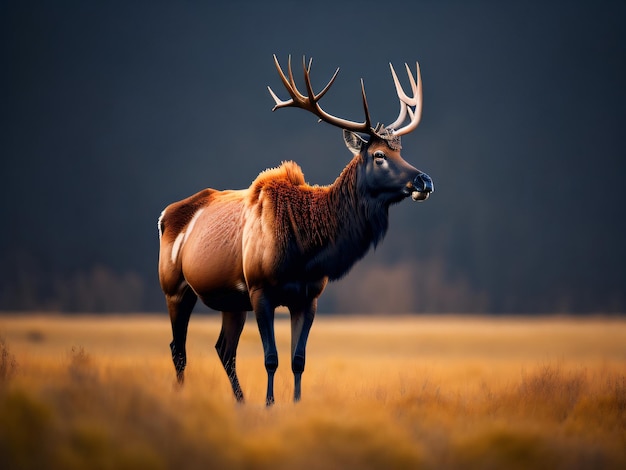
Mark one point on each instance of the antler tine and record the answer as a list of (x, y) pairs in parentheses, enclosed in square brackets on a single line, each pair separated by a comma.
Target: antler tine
[(292, 84), (412, 80), (280, 103), (328, 85), (307, 82), (406, 102), (368, 122), (401, 116)]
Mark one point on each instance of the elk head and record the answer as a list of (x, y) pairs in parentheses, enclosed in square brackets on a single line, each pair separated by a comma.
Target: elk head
[(385, 174)]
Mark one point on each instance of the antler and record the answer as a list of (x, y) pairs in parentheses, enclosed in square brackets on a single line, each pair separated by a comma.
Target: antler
[(310, 101), (406, 103)]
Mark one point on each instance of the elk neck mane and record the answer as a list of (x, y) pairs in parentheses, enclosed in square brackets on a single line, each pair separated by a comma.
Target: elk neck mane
[(319, 230)]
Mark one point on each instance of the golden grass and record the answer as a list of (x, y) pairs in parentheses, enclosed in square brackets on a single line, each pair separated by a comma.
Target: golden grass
[(397, 392)]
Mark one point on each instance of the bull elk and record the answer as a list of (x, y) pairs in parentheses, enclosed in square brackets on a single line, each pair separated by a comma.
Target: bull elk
[(278, 242)]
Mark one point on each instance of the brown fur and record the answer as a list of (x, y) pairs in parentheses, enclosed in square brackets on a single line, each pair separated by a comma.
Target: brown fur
[(178, 214), (299, 212)]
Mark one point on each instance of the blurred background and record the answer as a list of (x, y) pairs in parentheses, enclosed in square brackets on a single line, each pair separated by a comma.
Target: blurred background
[(111, 110)]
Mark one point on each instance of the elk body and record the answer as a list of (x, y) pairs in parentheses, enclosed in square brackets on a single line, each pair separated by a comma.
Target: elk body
[(278, 242)]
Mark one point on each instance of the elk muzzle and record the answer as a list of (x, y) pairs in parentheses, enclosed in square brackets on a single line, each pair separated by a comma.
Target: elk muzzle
[(421, 187)]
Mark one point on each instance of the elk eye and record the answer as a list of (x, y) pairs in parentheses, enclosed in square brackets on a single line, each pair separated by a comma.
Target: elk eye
[(379, 157)]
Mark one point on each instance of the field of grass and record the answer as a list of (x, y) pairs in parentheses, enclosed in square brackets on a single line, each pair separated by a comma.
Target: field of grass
[(396, 392)]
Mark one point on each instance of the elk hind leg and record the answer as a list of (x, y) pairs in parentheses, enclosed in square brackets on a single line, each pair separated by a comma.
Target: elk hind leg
[(180, 306), (226, 346)]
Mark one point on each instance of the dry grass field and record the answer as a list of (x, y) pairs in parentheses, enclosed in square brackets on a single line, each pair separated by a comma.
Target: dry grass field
[(397, 392)]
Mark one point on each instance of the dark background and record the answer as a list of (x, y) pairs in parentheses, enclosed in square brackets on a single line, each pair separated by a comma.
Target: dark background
[(111, 110)]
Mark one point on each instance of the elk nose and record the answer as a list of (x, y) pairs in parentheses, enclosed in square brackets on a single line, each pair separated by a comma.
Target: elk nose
[(423, 183)]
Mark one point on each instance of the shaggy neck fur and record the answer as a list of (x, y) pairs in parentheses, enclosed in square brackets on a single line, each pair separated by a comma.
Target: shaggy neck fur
[(323, 231)]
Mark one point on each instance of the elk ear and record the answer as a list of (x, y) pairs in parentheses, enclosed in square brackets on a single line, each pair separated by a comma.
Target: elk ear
[(353, 141)]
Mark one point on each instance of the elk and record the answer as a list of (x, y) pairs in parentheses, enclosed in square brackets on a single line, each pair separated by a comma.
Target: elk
[(279, 242)]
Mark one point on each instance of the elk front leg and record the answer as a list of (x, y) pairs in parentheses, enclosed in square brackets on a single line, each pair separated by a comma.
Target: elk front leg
[(301, 322), (226, 346), (264, 312)]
